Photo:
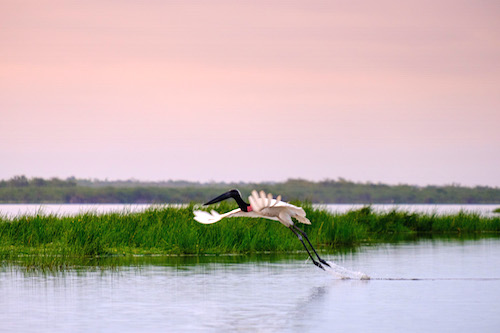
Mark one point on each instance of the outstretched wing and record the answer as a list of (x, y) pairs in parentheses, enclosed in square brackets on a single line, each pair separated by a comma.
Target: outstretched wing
[(265, 205), (260, 201), (212, 217), (205, 217)]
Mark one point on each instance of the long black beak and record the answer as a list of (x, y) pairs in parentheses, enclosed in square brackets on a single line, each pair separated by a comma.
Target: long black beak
[(222, 197), (235, 194)]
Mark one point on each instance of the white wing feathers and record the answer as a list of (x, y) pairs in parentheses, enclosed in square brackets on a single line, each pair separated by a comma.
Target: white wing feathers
[(259, 201), (276, 209), (212, 217), (206, 217)]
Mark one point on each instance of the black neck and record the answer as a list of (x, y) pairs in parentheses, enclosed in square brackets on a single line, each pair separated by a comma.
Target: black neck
[(239, 200)]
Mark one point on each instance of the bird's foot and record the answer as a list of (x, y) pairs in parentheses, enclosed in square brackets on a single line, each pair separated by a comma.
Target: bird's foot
[(318, 264), (324, 262)]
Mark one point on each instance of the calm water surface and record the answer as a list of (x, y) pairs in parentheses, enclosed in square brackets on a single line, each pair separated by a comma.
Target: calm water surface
[(12, 210), (425, 286)]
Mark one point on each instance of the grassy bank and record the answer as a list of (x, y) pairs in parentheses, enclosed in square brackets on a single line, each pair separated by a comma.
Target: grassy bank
[(173, 231)]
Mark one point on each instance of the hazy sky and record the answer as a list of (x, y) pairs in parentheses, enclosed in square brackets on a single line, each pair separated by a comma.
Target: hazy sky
[(382, 91)]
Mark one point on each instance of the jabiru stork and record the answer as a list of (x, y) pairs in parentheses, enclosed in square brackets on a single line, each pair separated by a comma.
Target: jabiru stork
[(262, 205)]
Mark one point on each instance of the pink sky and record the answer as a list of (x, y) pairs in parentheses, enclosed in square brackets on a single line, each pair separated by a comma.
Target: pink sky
[(385, 91)]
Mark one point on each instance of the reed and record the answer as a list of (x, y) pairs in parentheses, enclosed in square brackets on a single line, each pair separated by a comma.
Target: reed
[(169, 230)]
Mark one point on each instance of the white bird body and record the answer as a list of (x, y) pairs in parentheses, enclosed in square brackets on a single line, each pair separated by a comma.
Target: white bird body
[(263, 206)]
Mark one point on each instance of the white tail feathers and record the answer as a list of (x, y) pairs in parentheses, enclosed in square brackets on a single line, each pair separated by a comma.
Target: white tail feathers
[(302, 219)]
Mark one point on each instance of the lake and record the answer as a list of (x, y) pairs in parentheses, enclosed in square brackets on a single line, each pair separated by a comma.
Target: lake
[(425, 286), (12, 210)]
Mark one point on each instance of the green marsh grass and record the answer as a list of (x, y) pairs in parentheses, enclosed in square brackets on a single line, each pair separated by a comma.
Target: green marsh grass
[(56, 240)]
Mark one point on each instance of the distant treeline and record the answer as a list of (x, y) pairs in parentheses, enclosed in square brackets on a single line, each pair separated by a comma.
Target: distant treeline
[(20, 189)]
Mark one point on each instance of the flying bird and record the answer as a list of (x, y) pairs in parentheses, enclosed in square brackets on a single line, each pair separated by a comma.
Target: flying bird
[(262, 205)]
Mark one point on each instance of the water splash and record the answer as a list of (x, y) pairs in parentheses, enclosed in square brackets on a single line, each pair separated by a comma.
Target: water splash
[(344, 273)]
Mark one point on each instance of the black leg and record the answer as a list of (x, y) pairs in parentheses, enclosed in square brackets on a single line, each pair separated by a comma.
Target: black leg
[(312, 247), (309, 253)]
